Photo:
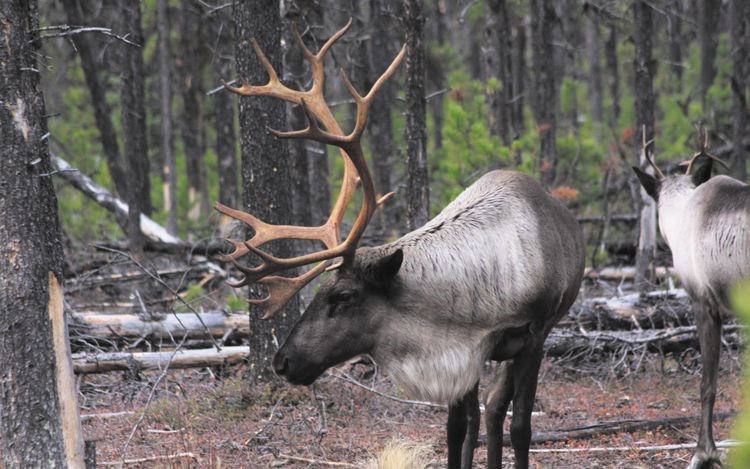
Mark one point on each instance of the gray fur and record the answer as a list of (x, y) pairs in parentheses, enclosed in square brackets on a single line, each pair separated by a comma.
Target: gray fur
[(707, 228), (504, 254)]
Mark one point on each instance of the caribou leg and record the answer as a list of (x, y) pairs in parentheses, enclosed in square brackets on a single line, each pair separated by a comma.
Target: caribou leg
[(463, 429), (498, 399), (525, 375), (708, 321)]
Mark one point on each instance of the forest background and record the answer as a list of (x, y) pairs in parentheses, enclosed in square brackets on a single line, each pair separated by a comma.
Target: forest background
[(566, 91)]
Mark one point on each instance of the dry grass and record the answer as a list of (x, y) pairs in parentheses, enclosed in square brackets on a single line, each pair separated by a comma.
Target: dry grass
[(402, 455)]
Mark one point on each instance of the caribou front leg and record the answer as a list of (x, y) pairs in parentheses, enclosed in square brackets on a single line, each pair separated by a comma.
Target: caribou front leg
[(463, 429), (708, 321)]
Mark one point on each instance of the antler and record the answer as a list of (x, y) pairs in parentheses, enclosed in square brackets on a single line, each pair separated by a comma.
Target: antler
[(647, 151), (355, 171), (703, 146)]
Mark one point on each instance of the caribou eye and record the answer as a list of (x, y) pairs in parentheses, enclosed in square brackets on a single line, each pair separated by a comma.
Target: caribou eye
[(346, 296)]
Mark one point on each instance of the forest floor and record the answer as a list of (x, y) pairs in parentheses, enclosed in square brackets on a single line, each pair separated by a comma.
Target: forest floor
[(198, 418)]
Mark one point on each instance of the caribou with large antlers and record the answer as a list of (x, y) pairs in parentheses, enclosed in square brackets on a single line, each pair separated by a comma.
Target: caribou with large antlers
[(485, 279), (706, 223)]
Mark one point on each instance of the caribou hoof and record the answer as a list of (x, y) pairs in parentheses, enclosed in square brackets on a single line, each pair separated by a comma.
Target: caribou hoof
[(705, 460)]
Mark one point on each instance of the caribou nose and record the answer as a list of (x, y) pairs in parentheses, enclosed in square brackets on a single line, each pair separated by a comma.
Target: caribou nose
[(280, 364)]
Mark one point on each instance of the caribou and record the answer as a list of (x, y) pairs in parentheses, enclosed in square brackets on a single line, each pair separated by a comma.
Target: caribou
[(706, 223), (486, 279)]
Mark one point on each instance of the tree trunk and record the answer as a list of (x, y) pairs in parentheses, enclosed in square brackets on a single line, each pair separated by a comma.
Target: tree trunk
[(191, 44), (709, 12), (417, 189), (545, 88), (295, 67), (613, 77), (265, 161), (134, 124), (382, 147), (740, 19), (596, 89), (169, 177), (224, 113), (39, 423), (519, 79), (85, 44), (674, 32), (645, 68), (496, 69)]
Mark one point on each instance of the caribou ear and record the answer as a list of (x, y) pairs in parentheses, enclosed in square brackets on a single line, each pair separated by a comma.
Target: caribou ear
[(384, 270), (649, 182), (703, 173)]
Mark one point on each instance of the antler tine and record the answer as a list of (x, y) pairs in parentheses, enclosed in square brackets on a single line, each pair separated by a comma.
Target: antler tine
[(323, 127), (281, 289), (703, 145), (649, 155)]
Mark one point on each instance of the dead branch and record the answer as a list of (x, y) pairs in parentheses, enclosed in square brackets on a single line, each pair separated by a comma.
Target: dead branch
[(138, 361), (165, 326), (104, 198), (317, 461), (169, 457)]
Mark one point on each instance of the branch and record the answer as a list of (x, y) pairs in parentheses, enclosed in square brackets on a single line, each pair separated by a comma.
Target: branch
[(66, 30)]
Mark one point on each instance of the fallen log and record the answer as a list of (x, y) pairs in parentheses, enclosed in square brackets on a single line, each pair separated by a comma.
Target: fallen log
[(653, 310), (624, 273), (152, 230), (561, 342), (585, 432), (122, 361), (159, 327)]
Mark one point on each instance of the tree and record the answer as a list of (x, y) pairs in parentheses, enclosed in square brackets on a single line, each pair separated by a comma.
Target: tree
[(497, 70), (86, 47), (39, 423), (224, 112), (265, 161), (192, 125), (417, 188), (596, 88), (382, 147), (134, 124), (613, 73), (709, 12), (645, 69), (545, 86), (165, 100), (740, 22)]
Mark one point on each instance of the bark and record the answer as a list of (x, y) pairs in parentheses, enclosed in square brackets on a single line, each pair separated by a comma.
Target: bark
[(169, 177), (545, 87), (674, 33), (86, 46), (595, 88), (417, 188), (613, 77), (382, 147), (740, 25), (709, 12), (224, 114), (645, 69), (141, 361), (103, 197), (265, 161), (192, 56), (441, 32), (496, 67), (317, 154), (134, 125), (295, 70), (38, 414), (519, 79)]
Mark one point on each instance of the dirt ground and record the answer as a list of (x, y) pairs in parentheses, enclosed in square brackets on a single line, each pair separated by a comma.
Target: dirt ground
[(219, 421)]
